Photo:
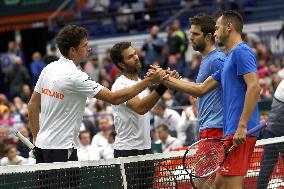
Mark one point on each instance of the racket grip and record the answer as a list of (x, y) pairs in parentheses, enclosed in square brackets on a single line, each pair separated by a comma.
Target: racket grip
[(25, 140), (257, 128)]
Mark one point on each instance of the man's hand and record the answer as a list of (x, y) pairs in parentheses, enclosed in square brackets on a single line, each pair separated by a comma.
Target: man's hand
[(157, 75), (173, 73), (240, 135)]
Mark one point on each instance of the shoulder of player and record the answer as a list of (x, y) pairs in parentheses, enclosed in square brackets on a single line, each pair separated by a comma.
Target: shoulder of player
[(242, 49), (121, 82), (217, 57)]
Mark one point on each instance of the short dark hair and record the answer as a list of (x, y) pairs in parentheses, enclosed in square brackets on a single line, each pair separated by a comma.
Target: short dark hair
[(116, 52), (206, 23), (84, 132), (8, 147), (163, 126), (235, 18), (70, 36)]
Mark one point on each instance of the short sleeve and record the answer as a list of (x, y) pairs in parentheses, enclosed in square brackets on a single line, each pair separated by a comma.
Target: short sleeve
[(217, 64), (120, 84), (245, 61), (39, 82), (217, 75), (83, 84)]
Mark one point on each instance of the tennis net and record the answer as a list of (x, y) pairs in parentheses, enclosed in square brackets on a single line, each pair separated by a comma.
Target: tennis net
[(149, 171)]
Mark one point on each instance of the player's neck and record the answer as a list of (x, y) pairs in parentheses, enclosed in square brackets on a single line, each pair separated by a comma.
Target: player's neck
[(209, 48), (131, 76), (76, 62), (233, 41)]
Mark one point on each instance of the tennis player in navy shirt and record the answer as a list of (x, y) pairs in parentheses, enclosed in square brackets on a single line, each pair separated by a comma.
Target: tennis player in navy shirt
[(240, 93)]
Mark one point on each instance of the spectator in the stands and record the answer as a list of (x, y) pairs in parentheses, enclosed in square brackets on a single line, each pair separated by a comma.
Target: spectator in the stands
[(16, 77), (180, 34), (110, 69), (37, 66), (101, 138), (85, 150), (93, 68), (26, 93), (11, 157), (168, 142), (189, 124), (262, 69), (152, 48), (107, 152), (167, 116), (5, 139), (51, 55)]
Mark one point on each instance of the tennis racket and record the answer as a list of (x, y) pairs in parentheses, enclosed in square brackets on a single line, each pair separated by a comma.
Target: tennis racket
[(203, 158), (24, 140)]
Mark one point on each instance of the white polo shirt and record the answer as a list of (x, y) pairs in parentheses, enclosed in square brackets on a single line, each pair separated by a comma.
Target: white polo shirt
[(171, 118), (132, 130), (64, 90)]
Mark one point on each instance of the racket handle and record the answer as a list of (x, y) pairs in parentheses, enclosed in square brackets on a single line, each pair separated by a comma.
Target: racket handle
[(25, 140), (257, 128)]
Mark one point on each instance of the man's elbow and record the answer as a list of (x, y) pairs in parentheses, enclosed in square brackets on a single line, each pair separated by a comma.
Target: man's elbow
[(200, 91), (31, 106), (255, 88)]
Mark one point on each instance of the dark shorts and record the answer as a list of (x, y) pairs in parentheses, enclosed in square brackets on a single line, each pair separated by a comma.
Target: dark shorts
[(54, 155)]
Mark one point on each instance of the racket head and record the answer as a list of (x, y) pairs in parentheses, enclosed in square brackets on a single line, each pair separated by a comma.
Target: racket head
[(204, 157)]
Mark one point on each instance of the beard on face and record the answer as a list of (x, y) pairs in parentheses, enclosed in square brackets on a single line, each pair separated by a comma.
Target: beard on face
[(223, 37), (199, 47), (134, 68)]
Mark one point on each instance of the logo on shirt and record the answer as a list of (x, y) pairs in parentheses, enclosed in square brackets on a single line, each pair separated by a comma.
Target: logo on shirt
[(53, 94)]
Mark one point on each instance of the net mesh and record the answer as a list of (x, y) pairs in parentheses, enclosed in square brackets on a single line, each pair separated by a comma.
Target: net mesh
[(151, 171)]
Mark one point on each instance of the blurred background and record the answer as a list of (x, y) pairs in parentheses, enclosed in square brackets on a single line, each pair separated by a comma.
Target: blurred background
[(27, 45)]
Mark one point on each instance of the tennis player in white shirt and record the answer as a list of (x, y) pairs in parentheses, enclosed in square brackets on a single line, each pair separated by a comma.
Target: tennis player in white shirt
[(60, 96), (132, 118)]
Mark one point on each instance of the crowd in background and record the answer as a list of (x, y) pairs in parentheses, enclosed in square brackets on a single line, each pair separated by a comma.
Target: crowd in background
[(174, 118)]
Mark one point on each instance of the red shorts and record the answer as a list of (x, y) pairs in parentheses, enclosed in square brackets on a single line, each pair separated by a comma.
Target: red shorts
[(237, 162), (211, 133)]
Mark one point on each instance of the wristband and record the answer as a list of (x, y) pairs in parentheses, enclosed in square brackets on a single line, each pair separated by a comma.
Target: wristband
[(161, 89)]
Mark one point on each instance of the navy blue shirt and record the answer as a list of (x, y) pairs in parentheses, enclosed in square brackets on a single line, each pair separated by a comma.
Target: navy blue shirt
[(210, 110), (240, 61)]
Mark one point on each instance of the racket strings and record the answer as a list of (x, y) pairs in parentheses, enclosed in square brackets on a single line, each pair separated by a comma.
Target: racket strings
[(209, 155)]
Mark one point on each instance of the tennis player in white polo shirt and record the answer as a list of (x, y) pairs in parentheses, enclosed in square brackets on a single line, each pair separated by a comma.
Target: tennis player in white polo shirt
[(132, 118), (60, 96)]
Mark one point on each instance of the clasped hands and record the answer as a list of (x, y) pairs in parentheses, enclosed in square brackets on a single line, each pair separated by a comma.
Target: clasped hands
[(161, 75)]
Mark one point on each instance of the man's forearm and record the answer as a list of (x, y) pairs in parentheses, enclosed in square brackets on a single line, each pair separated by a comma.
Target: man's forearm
[(191, 88), (148, 102), (251, 98), (34, 123), (123, 95)]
